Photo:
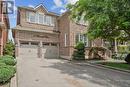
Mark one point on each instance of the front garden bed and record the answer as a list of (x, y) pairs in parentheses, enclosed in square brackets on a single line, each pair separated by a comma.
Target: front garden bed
[(7, 70)]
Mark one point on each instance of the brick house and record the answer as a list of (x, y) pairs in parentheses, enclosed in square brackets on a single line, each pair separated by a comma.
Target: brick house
[(40, 33), (4, 27)]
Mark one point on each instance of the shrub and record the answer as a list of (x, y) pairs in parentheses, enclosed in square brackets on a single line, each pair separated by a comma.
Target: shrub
[(9, 48), (6, 73), (79, 53), (8, 61), (123, 48), (2, 64), (8, 56), (127, 59)]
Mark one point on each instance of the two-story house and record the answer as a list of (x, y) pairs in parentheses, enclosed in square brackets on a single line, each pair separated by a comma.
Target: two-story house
[(40, 33), (4, 27)]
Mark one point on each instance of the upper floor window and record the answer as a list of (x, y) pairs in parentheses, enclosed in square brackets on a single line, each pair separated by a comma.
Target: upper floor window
[(32, 18), (40, 18)]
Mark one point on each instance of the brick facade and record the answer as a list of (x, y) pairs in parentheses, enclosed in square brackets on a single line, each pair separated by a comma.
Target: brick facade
[(4, 26), (25, 31)]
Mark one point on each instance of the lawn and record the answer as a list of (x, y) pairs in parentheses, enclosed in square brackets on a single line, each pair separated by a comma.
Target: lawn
[(117, 65)]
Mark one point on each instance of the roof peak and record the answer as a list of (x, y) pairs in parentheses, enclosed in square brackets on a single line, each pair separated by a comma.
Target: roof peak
[(37, 6)]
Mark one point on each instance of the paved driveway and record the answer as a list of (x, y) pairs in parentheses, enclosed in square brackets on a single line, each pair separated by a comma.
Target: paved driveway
[(36, 72)]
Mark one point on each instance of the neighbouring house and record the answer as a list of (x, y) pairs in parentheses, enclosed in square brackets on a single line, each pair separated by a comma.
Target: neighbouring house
[(4, 27), (44, 34)]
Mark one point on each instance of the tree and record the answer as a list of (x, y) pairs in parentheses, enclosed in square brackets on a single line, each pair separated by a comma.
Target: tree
[(9, 48), (107, 18)]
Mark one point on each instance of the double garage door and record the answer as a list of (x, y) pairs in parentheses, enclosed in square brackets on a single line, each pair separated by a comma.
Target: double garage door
[(33, 50)]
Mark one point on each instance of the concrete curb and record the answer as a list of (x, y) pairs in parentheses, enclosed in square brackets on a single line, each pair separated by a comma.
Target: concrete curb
[(128, 71), (102, 67), (13, 82)]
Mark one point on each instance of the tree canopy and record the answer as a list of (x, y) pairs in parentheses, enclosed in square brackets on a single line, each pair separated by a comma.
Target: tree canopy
[(107, 18)]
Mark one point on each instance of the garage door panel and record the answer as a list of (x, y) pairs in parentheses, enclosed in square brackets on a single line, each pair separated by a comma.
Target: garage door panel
[(50, 52), (28, 50)]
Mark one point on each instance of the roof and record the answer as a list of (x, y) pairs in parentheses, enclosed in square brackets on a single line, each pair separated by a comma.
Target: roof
[(40, 5)]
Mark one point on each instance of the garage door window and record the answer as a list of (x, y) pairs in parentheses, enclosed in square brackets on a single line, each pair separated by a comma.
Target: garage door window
[(45, 44), (24, 43), (53, 44), (34, 43)]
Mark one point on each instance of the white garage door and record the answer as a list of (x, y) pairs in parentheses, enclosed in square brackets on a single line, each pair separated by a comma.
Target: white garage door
[(50, 50), (28, 50)]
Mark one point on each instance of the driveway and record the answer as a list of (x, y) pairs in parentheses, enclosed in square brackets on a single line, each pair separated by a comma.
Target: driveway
[(36, 72)]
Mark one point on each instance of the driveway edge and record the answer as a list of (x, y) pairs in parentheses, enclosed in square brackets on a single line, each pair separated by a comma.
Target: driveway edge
[(13, 82), (128, 71), (101, 66)]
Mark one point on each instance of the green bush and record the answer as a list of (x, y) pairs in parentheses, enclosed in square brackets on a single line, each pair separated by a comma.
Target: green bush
[(8, 56), (9, 48), (127, 59), (123, 49), (8, 61), (79, 53), (2, 64), (6, 73)]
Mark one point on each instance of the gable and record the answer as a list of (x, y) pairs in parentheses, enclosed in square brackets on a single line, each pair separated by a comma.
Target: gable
[(41, 9)]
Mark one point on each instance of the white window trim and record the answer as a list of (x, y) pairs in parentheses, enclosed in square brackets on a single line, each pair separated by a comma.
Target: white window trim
[(83, 39), (65, 40), (2, 19), (29, 16), (47, 20)]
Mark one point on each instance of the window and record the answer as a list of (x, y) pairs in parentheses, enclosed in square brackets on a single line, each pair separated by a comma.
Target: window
[(31, 17), (52, 21), (27, 16), (65, 40), (24, 43), (34, 43), (81, 38), (45, 44), (53, 44), (121, 43), (48, 20), (1, 18), (40, 18)]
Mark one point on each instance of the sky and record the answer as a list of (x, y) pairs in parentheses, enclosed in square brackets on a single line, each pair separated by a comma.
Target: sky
[(57, 6)]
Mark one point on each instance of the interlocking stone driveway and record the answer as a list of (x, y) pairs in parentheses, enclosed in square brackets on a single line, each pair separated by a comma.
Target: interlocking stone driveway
[(36, 72)]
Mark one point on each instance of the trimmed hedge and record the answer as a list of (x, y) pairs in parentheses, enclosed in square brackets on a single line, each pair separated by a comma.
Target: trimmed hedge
[(6, 73), (8, 61), (8, 56), (2, 64)]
